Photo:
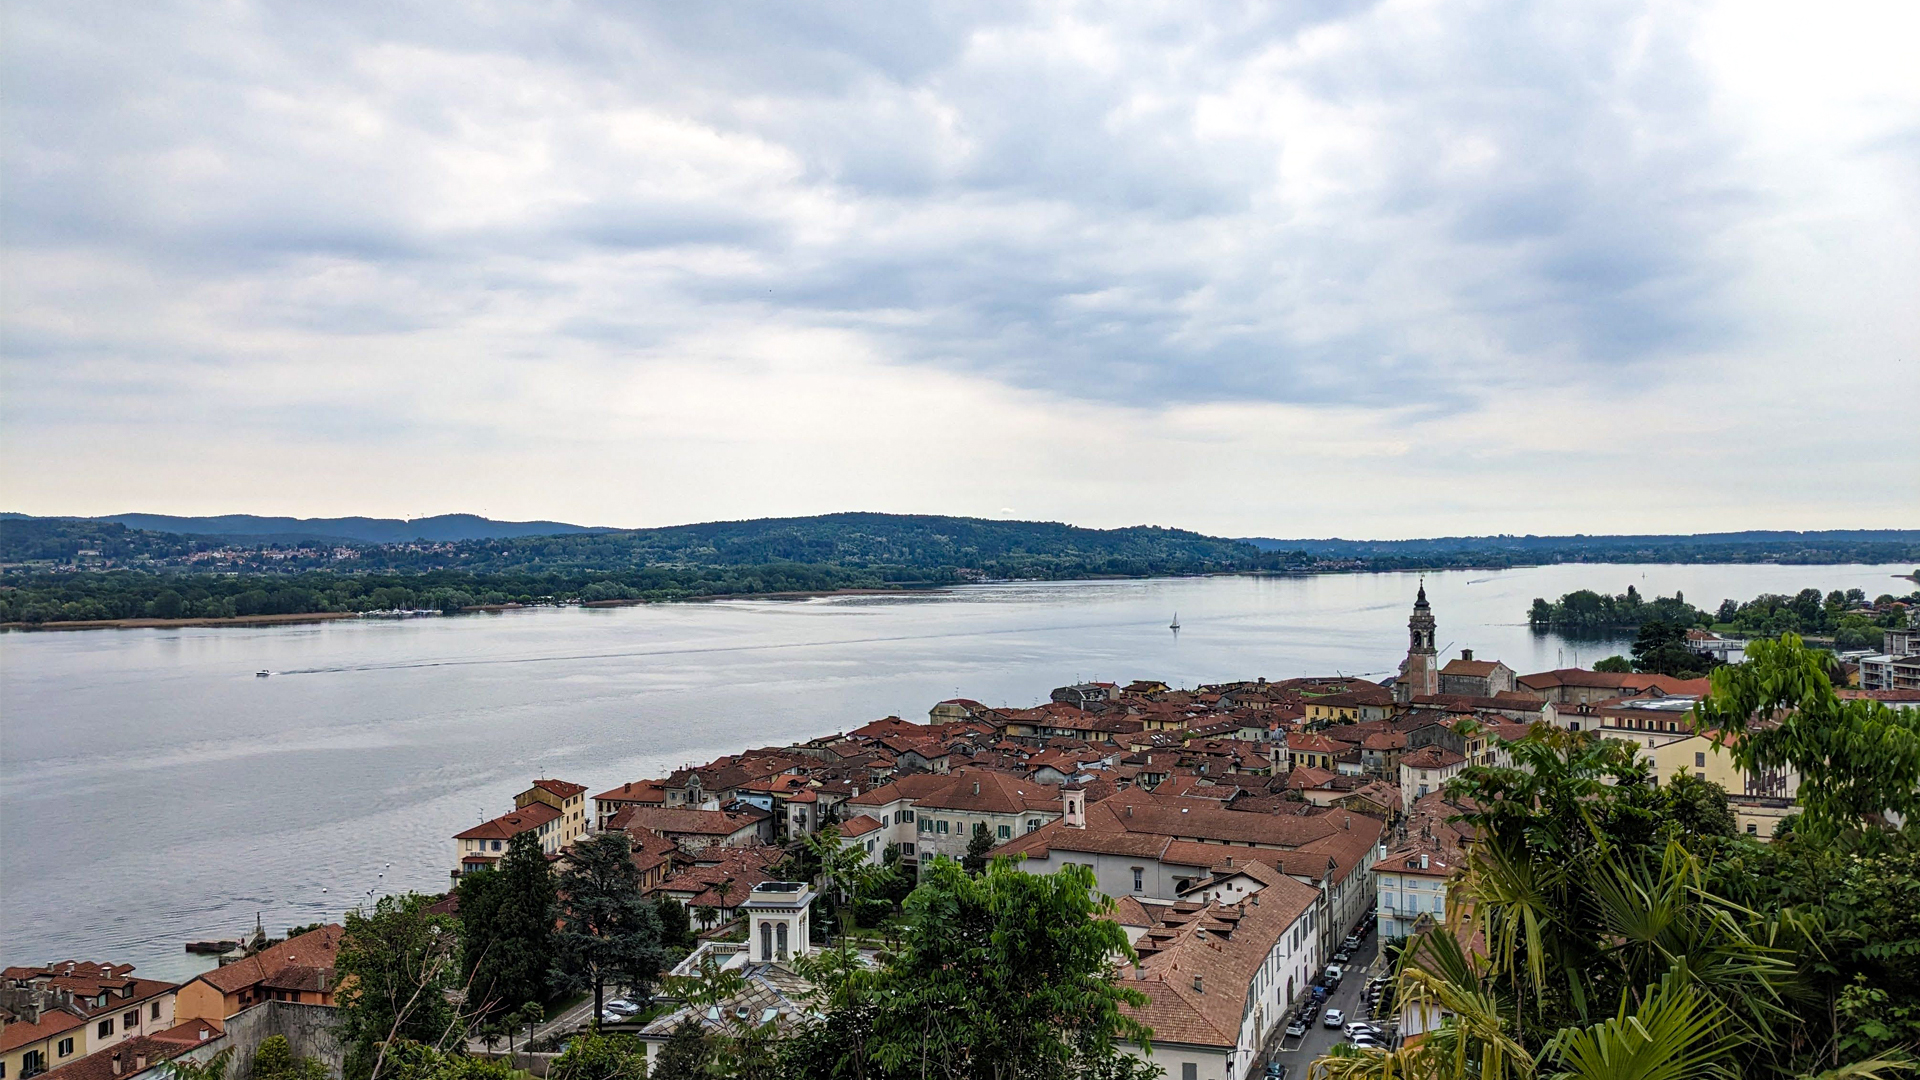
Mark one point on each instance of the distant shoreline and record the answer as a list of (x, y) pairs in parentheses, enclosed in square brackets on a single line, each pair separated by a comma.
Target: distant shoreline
[(170, 624)]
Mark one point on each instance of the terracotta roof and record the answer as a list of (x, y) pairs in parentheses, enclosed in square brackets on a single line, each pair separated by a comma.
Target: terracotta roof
[(641, 791), (313, 949), (1385, 740), (983, 791), (1472, 668), (1140, 823), (1196, 965), (507, 826), (734, 870), (906, 787), (679, 821), (858, 825), (561, 788), (129, 1057), (191, 1033), (1431, 757), (16, 1035)]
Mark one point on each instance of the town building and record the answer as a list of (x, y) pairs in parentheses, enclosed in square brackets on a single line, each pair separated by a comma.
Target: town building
[(1475, 678), (1419, 673), (1156, 848), (113, 1004), (771, 992), (1423, 771), (299, 969), (695, 830), (1220, 976), (637, 793), (554, 811), (1760, 801)]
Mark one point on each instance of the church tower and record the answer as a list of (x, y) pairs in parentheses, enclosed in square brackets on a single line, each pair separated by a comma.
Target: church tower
[(1420, 674)]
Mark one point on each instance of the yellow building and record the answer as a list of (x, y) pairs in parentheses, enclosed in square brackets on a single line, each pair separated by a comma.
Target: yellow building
[(569, 799), (1759, 802)]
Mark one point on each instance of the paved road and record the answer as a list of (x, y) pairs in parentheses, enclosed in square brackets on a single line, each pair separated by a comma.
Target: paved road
[(1348, 997)]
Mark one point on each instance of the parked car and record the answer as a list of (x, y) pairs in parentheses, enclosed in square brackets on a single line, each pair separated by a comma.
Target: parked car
[(1334, 1019), (1296, 1027), (1359, 1028), (622, 1005), (1276, 1071), (1333, 974), (1366, 1042)]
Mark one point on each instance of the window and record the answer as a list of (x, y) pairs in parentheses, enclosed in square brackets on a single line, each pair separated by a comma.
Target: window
[(940, 827), (1033, 823), (906, 815), (153, 1011), (1139, 879), (1752, 829), (104, 1028), (1004, 832), (1699, 776), (925, 826), (132, 1019), (65, 1048), (1189, 1071), (496, 845), (886, 819)]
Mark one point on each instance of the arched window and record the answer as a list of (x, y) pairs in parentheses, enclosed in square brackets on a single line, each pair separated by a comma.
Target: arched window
[(780, 934), (766, 941)]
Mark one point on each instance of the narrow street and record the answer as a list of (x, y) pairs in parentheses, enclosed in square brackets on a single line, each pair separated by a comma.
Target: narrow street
[(1349, 997)]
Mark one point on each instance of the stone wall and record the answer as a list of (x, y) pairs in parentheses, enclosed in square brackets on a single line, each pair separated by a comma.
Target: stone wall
[(309, 1030)]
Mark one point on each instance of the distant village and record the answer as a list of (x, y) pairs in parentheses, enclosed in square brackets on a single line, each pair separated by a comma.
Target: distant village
[(1249, 832)]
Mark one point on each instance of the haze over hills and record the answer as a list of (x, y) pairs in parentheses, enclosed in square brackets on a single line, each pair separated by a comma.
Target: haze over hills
[(440, 528)]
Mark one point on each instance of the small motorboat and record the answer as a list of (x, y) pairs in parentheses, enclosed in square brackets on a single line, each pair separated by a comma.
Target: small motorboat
[(262, 673)]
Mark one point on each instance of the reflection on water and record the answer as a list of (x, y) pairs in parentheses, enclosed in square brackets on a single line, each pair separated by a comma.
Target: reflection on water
[(153, 790)]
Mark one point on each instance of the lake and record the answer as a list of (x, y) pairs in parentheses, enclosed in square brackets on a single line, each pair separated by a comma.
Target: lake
[(153, 790)]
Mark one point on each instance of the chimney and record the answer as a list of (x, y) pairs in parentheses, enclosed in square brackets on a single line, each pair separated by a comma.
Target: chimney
[(1129, 809), (139, 1063), (1466, 654), (1197, 985), (976, 787), (116, 1063), (628, 786), (1423, 860)]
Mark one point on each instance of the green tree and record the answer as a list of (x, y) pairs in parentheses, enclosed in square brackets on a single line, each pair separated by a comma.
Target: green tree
[(393, 970), (1616, 664), (506, 930), (1661, 648), (1858, 760), (1006, 975), (676, 926), (608, 930), (275, 1060), (688, 1053), (414, 1061), (214, 1068), (975, 861), (591, 1056)]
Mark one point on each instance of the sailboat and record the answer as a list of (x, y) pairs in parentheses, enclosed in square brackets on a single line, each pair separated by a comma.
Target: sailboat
[(1175, 625)]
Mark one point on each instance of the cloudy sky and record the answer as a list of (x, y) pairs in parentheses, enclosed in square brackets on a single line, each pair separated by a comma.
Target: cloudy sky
[(1388, 269)]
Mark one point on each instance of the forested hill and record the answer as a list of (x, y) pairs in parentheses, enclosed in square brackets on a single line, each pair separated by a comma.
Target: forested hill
[(440, 528), (899, 545), (1825, 546)]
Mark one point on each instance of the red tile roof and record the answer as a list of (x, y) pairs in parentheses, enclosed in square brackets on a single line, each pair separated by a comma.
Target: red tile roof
[(561, 788), (507, 826), (314, 949)]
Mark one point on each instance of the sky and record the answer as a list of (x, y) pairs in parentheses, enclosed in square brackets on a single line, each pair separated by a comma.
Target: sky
[(1386, 269)]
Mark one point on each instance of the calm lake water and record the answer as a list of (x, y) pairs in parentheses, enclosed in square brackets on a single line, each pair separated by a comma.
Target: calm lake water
[(152, 790)]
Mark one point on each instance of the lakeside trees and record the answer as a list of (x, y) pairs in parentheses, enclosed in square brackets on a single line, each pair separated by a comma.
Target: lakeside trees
[(609, 932), (507, 931), (393, 971), (1841, 614)]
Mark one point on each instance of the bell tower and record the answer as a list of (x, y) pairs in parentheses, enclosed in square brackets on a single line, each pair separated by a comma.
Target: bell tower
[(1420, 674)]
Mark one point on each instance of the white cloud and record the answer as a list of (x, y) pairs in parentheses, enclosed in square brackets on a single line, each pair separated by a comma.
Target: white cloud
[(1394, 269)]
